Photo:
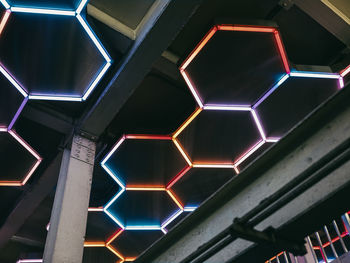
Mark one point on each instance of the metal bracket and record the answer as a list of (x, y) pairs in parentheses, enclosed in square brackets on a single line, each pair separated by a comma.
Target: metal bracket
[(83, 149), (286, 4)]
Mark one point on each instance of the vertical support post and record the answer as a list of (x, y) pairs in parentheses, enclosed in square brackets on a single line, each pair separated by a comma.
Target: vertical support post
[(323, 252), (310, 250), (346, 222), (340, 237), (65, 240), (330, 241), (277, 259)]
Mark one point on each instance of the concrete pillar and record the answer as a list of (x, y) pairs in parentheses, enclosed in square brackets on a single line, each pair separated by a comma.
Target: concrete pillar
[(65, 239)]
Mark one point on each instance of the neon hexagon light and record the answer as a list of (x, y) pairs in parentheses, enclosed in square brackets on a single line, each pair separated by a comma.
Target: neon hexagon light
[(131, 161), (198, 183), (91, 242), (257, 137), (242, 114), (129, 244), (221, 50), (122, 208), (128, 184), (207, 93), (293, 98), (63, 94)]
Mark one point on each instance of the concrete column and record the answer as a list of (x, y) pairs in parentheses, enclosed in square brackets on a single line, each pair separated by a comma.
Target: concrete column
[(65, 240)]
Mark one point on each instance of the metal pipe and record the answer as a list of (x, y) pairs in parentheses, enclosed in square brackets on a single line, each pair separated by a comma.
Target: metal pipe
[(285, 257)]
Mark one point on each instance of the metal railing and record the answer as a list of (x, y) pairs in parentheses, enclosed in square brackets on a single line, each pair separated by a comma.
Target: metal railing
[(324, 246)]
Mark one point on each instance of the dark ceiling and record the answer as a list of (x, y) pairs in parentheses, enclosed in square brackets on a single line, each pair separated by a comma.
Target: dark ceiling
[(35, 49)]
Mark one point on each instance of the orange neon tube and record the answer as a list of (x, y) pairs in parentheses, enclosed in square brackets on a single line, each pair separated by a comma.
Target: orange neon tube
[(199, 47)]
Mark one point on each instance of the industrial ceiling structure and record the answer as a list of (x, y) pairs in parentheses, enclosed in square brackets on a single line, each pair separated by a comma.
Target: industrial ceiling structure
[(181, 98)]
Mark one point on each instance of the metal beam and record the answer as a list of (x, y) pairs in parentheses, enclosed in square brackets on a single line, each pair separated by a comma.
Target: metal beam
[(156, 35), (30, 200), (327, 18), (49, 118), (27, 241), (121, 27), (304, 147)]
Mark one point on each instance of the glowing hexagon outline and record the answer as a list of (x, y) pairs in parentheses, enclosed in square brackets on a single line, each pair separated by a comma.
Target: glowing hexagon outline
[(120, 231), (301, 74), (115, 251), (104, 244), (190, 208), (173, 197), (234, 165), (139, 187), (250, 108), (114, 175), (38, 158), (76, 13), (210, 34)]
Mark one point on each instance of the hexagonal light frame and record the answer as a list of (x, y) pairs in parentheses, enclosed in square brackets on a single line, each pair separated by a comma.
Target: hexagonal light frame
[(21, 141), (137, 137), (76, 13), (144, 187), (240, 159), (235, 164), (245, 28), (115, 251), (102, 243), (210, 34), (142, 227), (108, 245)]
